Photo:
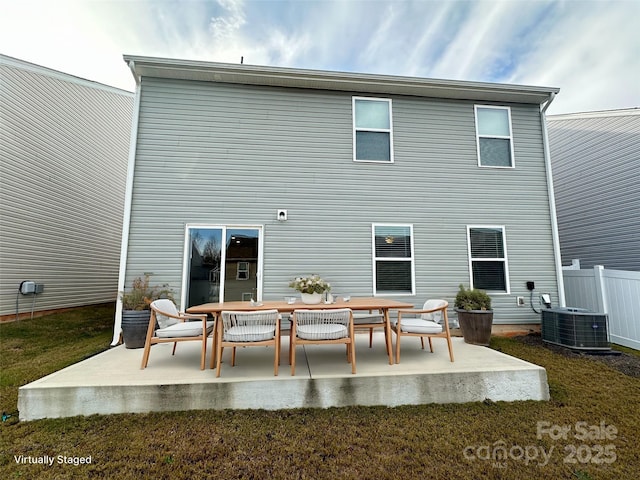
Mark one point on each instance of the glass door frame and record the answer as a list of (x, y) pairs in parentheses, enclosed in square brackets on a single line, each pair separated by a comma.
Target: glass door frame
[(186, 262)]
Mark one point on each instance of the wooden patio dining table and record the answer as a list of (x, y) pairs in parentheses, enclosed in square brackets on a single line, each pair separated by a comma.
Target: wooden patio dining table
[(382, 305)]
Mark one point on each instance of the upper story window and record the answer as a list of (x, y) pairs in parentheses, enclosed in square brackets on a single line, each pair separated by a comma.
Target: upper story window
[(393, 269), (488, 258), (494, 137), (372, 130), (242, 272)]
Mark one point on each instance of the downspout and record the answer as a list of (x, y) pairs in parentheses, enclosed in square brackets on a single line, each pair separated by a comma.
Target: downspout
[(124, 245), (552, 203)]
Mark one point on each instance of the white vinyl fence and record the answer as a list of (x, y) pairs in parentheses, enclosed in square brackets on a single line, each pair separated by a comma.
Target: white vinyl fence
[(614, 292)]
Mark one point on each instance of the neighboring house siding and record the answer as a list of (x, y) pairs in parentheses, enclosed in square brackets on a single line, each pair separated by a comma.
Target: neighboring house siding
[(63, 162), (596, 167), (213, 153)]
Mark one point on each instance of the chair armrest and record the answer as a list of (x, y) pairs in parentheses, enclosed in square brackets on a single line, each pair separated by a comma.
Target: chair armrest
[(192, 315), (413, 310), (186, 317), (166, 314), (183, 316)]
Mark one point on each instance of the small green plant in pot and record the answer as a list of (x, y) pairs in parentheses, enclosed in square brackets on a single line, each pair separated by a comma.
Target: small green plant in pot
[(136, 309), (474, 315)]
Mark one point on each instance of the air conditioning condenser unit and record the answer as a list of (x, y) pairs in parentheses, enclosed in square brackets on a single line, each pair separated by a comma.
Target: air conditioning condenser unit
[(575, 328)]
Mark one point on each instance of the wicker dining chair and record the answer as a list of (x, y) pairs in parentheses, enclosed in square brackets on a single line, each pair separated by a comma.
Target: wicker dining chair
[(426, 325), (323, 326), (248, 329), (369, 321), (168, 325)]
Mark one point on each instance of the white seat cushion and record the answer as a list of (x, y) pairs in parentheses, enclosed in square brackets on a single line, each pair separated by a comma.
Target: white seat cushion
[(325, 331), (359, 318), (417, 325), (250, 333), (183, 329)]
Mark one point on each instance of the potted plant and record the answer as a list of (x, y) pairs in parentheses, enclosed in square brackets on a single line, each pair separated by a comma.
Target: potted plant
[(136, 309), (474, 315), (311, 288)]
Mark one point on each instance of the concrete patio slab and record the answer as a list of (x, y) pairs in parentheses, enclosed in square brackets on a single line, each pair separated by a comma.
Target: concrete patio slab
[(112, 382)]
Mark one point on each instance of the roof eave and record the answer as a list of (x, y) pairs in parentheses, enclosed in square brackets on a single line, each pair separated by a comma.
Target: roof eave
[(328, 80)]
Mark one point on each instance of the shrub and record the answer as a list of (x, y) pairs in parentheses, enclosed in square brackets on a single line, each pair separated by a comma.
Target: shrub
[(472, 299), (141, 294)]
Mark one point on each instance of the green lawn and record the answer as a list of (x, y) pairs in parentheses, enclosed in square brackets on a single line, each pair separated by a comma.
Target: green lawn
[(427, 441)]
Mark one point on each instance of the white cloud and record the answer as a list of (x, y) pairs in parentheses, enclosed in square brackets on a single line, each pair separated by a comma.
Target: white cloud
[(381, 37), (63, 35), (287, 49), (591, 54), (227, 26), (432, 40), (332, 32), (587, 48)]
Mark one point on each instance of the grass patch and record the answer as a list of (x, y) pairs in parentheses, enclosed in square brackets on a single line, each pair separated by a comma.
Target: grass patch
[(627, 350), (31, 349), (425, 441)]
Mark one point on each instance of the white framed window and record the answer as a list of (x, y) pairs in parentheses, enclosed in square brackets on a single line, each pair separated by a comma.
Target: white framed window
[(372, 130), (488, 266), (393, 259), (494, 137), (242, 271)]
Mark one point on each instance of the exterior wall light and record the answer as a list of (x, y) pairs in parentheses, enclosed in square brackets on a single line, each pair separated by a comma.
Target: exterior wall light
[(281, 215)]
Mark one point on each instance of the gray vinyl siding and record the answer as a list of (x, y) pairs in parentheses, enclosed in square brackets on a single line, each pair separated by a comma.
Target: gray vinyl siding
[(64, 149), (596, 166), (210, 153)]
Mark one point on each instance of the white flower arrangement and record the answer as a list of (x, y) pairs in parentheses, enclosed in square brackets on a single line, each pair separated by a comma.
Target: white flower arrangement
[(311, 284)]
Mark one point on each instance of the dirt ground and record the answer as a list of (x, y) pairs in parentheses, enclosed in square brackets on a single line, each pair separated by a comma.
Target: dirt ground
[(621, 361)]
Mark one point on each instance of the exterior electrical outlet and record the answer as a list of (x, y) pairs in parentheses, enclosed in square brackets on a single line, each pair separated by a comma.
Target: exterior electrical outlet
[(39, 288)]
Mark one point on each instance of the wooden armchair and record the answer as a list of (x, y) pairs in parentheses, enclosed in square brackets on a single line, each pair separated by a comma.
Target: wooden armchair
[(248, 329), (370, 320), (426, 325), (333, 326), (174, 326)]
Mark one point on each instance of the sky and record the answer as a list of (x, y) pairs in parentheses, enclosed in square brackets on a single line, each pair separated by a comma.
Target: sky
[(590, 49)]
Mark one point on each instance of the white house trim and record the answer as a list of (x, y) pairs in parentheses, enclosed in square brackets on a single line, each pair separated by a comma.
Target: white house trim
[(126, 221), (326, 80)]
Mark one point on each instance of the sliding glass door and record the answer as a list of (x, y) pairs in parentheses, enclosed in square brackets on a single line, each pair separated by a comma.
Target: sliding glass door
[(222, 263), (241, 262)]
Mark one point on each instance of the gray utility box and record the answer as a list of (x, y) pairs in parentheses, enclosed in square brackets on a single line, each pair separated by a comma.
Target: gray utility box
[(575, 328)]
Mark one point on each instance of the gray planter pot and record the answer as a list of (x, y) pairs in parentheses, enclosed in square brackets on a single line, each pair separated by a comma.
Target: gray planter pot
[(134, 327), (476, 326)]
